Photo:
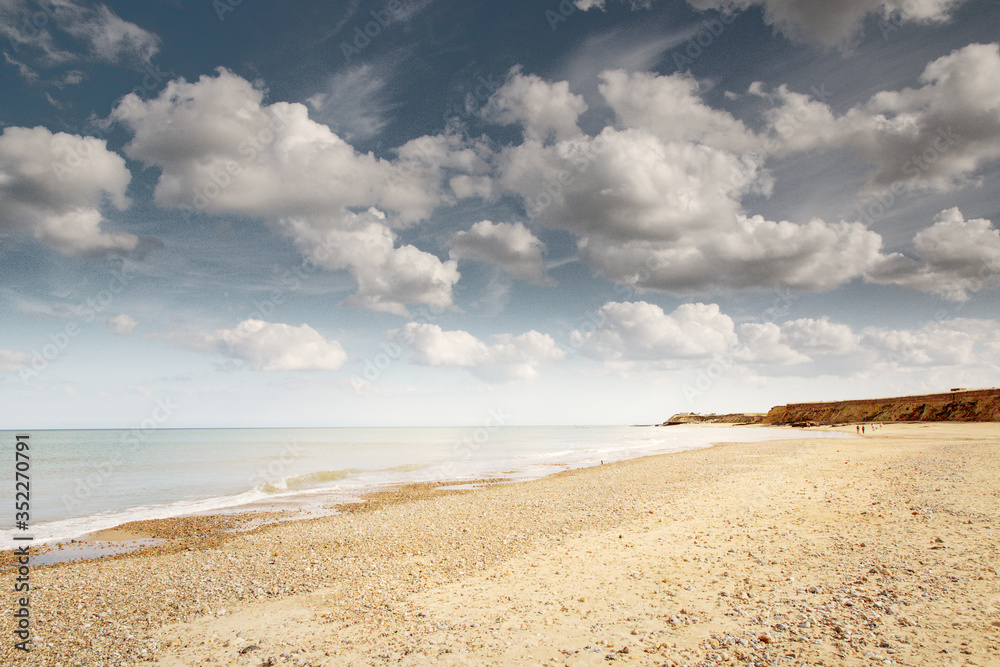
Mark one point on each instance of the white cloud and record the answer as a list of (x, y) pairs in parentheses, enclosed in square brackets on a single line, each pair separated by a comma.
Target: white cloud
[(936, 136), (99, 33), (268, 346), (797, 122), (122, 324), (956, 256), (657, 202), (110, 38), (820, 336), (26, 72), (642, 331), (762, 342), (12, 361), (510, 246), (835, 349), (545, 110), (670, 107), (222, 150), (933, 346), (465, 186), (835, 23), (628, 184), (353, 103), (748, 253), (586, 5), (388, 277), (52, 187), (508, 358), (634, 334)]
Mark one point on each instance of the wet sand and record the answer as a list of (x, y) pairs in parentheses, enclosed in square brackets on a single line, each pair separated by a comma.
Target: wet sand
[(880, 549)]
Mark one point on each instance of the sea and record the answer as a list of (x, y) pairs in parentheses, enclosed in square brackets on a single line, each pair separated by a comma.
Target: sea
[(90, 480)]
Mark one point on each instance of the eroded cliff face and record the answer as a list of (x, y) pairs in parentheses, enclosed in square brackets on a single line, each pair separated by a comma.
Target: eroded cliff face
[(979, 405), (733, 418)]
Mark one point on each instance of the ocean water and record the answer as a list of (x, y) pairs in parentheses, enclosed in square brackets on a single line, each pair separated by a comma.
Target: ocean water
[(82, 481)]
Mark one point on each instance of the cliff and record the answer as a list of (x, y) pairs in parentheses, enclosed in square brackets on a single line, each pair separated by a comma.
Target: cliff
[(979, 405), (733, 418)]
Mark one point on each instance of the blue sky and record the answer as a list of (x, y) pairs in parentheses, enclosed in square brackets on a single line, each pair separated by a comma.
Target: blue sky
[(415, 212)]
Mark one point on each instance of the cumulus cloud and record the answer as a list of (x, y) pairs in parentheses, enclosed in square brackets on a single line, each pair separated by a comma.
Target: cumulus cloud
[(268, 346), (508, 358), (955, 256), (545, 110), (935, 136), (933, 346), (747, 253), (53, 186), (388, 276), (657, 200), (643, 331), (763, 342), (122, 324), (510, 246), (818, 336), (657, 203), (835, 23), (631, 333), (835, 349), (222, 150), (671, 108), (627, 184)]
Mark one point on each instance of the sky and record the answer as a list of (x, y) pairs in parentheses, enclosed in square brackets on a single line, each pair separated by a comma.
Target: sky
[(228, 213)]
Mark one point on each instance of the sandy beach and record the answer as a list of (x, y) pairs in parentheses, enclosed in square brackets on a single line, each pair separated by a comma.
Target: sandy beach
[(874, 550)]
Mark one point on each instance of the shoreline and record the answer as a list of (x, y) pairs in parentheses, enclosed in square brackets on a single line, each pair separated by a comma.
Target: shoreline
[(823, 549), (165, 532)]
